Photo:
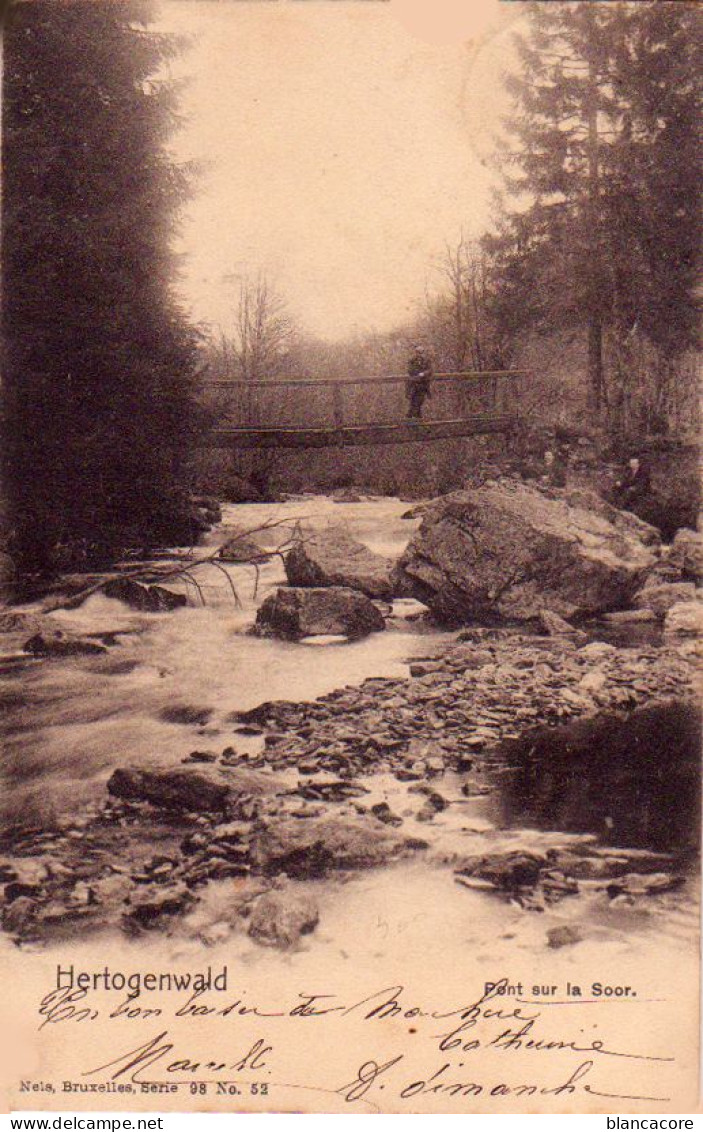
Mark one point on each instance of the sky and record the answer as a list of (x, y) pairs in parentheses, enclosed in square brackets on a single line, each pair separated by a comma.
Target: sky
[(341, 144)]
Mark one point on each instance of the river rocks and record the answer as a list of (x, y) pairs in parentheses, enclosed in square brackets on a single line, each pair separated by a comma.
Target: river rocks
[(14, 621), (507, 870), (333, 558), (625, 521), (564, 935), (241, 547), (434, 804), (148, 908), (382, 812), (509, 551), (60, 644), (637, 884), (145, 599), (280, 917), (557, 626), (329, 789), (630, 617), (171, 789), (165, 835), (684, 619), (660, 598), (19, 916), (294, 613), (462, 707), (317, 846)]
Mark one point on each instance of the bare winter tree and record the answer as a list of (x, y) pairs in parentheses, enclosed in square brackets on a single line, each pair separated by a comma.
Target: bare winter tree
[(256, 348), (458, 315), (263, 330)]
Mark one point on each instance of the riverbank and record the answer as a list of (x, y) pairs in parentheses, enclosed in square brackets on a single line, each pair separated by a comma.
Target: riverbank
[(245, 810), (421, 769)]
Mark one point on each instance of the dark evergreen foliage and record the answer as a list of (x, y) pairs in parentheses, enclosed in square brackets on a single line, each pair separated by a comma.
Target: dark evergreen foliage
[(98, 359), (605, 168)]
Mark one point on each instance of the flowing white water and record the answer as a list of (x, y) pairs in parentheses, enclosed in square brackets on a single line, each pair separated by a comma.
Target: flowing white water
[(74, 720), (70, 722)]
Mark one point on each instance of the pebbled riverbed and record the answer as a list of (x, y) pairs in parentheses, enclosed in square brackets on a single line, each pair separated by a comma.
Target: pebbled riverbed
[(173, 683)]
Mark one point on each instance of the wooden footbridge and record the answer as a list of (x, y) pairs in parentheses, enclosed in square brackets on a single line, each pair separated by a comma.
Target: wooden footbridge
[(257, 414)]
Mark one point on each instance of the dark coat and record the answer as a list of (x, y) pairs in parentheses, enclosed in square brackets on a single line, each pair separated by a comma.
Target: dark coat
[(634, 487), (419, 372)]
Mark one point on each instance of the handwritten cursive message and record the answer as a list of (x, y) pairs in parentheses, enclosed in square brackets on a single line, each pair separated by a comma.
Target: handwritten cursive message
[(384, 1049)]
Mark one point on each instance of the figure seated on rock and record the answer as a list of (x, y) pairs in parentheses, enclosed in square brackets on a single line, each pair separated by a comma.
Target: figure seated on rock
[(554, 471), (633, 490)]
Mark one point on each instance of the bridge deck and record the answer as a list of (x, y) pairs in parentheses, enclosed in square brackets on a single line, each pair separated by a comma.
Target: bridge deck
[(403, 432)]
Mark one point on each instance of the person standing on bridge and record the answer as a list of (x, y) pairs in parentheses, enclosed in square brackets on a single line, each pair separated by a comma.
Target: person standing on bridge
[(417, 386)]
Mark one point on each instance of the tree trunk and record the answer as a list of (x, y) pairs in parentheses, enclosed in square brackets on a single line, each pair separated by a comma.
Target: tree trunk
[(595, 361), (595, 320)]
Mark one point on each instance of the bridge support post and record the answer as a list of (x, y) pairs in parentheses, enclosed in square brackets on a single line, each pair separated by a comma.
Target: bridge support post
[(337, 406)]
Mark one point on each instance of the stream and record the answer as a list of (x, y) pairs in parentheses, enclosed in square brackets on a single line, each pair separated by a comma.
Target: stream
[(173, 681)]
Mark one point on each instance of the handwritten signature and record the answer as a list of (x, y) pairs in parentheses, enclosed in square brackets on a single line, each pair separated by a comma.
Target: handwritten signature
[(474, 1026)]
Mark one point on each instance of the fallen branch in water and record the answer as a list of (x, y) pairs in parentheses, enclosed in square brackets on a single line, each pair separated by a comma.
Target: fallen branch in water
[(141, 574)]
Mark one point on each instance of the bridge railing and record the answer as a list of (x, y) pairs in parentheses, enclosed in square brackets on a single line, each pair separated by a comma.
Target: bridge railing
[(308, 403)]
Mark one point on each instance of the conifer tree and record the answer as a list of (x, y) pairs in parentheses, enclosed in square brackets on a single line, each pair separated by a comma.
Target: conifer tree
[(604, 169), (98, 359)]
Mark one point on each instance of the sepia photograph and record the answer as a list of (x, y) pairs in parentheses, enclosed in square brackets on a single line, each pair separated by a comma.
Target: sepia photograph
[(350, 556)]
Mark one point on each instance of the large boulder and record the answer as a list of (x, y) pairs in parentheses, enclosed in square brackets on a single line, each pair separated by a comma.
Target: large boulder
[(334, 558), (659, 598), (197, 791), (316, 846), (293, 613), (507, 551), (189, 790), (625, 521), (685, 620)]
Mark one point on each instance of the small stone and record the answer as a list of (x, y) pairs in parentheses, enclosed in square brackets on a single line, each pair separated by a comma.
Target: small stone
[(186, 715), (597, 650), (147, 909), (563, 936), (512, 869), (475, 883), (18, 915), (630, 616), (48, 646), (636, 884), (410, 773), (200, 757), (384, 813), (556, 626), (434, 804), (659, 599), (475, 789), (434, 766), (281, 917), (593, 681)]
